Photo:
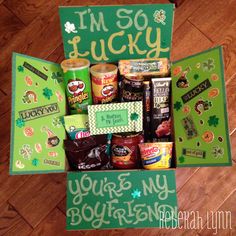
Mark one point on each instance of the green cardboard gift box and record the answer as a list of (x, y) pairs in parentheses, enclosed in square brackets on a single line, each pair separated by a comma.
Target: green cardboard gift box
[(119, 198)]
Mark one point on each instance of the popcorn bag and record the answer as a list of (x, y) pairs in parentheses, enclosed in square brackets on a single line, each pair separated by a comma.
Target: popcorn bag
[(120, 113)]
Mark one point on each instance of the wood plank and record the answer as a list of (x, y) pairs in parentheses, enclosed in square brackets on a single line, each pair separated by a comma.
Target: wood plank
[(9, 184), (5, 103), (184, 11), (28, 10), (10, 25), (39, 39), (183, 175), (62, 206), (57, 55), (39, 196), (10, 220), (224, 228), (229, 44), (54, 224), (183, 40), (233, 145), (214, 19), (231, 101), (5, 130)]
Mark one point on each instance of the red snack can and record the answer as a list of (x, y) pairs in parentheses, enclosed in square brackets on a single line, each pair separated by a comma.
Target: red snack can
[(104, 83), (125, 150)]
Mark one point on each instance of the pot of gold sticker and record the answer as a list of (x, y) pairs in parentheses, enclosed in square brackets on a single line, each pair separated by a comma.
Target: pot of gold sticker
[(52, 140)]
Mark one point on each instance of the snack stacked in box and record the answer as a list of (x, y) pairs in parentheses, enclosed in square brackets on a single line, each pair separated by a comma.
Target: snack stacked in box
[(120, 116)]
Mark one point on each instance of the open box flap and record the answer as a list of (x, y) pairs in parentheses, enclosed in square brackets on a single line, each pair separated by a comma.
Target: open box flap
[(111, 33), (121, 199), (38, 103), (200, 111)]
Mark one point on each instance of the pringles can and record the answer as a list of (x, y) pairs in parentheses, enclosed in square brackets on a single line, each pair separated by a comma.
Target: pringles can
[(77, 83), (104, 83)]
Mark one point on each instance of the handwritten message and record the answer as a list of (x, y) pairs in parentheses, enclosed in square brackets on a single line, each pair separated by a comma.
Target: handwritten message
[(112, 118), (108, 33), (121, 199)]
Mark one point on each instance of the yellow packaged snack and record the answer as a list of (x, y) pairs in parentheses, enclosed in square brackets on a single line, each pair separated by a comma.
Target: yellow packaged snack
[(156, 155), (155, 67)]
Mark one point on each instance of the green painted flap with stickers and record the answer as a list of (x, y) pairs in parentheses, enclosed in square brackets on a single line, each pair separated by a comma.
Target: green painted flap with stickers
[(199, 110), (121, 199), (111, 33), (38, 104)]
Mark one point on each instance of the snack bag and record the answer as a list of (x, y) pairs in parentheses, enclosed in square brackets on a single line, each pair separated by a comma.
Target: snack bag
[(77, 126)]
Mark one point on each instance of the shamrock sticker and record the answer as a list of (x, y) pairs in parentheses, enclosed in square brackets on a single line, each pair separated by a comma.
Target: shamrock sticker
[(26, 151), (134, 116), (213, 121), (56, 121), (177, 105), (160, 16), (181, 159), (196, 76), (35, 162), (208, 65), (217, 152), (70, 27), (20, 123), (136, 194), (20, 68), (47, 93), (57, 77)]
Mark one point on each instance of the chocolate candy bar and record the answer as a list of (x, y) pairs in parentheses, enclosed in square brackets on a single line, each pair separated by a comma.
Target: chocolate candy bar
[(160, 119)]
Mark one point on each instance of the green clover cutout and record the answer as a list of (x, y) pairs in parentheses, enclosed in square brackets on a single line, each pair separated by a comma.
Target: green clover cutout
[(57, 77), (47, 93), (208, 65), (213, 121), (35, 162), (177, 105), (196, 76), (20, 123), (134, 116), (181, 159), (20, 68)]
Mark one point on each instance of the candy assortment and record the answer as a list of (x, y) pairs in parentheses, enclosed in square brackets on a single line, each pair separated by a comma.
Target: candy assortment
[(140, 80)]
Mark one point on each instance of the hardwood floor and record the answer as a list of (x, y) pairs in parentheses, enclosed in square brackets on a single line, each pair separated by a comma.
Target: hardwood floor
[(35, 205)]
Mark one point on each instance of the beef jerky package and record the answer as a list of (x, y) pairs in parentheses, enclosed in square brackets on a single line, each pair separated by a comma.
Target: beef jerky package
[(160, 118), (90, 153), (147, 110)]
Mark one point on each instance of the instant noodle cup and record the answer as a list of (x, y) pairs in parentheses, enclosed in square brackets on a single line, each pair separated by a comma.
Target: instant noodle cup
[(156, 155), (77, 83), (104, 83)]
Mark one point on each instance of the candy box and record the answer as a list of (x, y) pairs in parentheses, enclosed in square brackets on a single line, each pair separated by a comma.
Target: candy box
[(119, 199)]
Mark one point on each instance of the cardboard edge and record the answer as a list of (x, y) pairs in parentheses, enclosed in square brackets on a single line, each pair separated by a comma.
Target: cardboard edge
[(197, 54), (171, 5), (225, 104), (172, 174), (229, 162), (14, 55), (11, 172)]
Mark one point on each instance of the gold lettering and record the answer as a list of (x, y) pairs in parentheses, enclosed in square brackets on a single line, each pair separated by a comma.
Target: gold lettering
[(75, 53), (133, 42), (110, 42), (156, 46), (103, 54)]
